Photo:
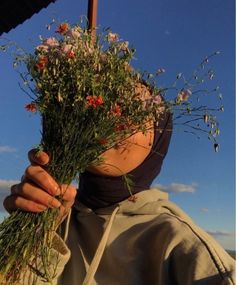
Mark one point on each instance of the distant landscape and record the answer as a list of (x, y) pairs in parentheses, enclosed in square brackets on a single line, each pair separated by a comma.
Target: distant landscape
[(232, 253), (2, 216)]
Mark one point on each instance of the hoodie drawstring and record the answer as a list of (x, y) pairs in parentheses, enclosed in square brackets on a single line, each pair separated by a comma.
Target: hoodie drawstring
[(67, 226), (100, 250)]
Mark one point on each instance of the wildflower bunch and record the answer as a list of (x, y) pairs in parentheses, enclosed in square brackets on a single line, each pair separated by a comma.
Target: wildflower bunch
[(89, 98)]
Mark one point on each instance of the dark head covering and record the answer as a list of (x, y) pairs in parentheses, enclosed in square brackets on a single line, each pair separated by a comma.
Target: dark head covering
[(97, 191)]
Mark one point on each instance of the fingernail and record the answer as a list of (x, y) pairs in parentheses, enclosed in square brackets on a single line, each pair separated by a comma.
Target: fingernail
[(42, 207), (57, 190), (54, 190), (54, 203)]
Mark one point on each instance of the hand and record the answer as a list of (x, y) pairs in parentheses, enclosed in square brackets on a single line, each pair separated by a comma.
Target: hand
[(38, 190)]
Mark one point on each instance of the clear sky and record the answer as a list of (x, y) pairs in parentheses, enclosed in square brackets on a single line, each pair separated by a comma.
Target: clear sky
[(169, 34)]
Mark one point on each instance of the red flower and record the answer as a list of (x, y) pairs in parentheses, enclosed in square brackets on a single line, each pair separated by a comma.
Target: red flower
[(99, 101), (94, 101), (120, 127), (71, 54), (116, 110), (90, 100), (103, 141), (64, 27), (31, 107), (133, 198), (42, 62)]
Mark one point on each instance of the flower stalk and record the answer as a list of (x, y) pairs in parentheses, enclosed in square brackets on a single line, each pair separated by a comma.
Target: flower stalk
[(89, 99)]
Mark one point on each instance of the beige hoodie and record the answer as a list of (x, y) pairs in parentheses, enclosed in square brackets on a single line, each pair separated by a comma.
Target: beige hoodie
[(147, 242)]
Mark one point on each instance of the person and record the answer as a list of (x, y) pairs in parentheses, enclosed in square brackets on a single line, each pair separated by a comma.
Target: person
[(112, 237)]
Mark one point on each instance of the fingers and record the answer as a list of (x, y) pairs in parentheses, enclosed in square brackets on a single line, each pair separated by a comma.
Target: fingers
[(31, 192), (38, 190), (28, 197), (69, 194), (38, 157), (40, 177), (13, 202), (35, 175)]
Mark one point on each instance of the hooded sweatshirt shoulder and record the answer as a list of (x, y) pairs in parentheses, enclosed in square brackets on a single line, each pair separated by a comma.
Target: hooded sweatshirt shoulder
[(149, 241)]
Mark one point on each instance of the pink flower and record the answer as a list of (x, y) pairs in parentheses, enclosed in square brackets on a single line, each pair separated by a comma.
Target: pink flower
[(112, 37), (51, 42), (157, 99), (66, 48), (73, 33), (183, 95), (47, 44)]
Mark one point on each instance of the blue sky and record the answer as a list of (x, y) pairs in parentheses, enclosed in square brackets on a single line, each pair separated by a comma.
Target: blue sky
[(176, 36)]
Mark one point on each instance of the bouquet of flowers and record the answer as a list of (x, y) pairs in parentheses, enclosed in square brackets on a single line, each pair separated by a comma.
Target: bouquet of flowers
[(90, 99)]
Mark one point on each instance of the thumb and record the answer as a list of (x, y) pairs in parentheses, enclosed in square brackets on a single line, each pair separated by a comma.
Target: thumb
[(38, 157)]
